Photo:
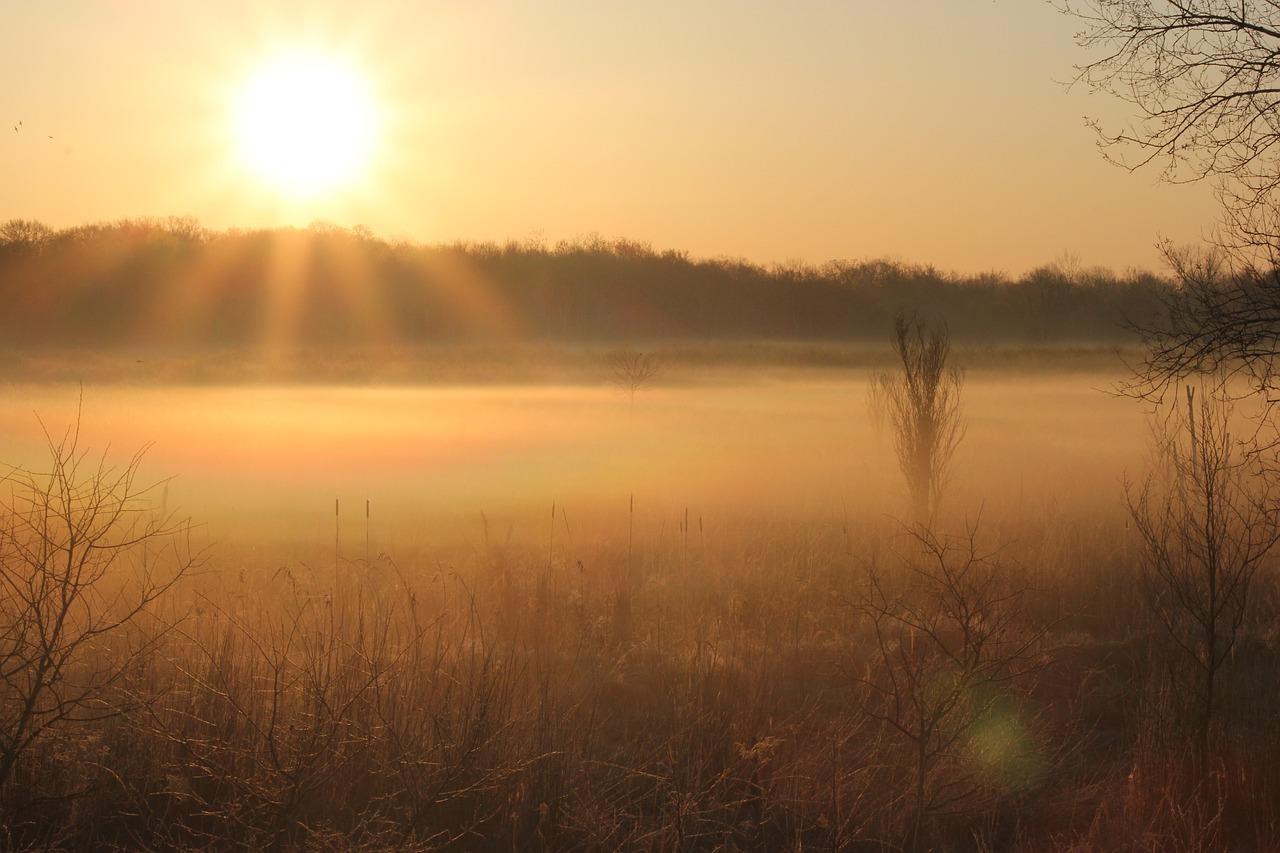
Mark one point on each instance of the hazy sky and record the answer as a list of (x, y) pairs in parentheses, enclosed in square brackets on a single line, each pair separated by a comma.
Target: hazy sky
[(931, 130)]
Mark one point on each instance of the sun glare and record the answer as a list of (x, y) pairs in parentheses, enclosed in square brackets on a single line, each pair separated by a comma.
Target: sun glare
[(305, 125)]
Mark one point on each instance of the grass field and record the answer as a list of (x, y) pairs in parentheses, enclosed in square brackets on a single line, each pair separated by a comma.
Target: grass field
[(564, 622)]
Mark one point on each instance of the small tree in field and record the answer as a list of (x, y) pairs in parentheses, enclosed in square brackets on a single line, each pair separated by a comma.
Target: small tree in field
[(948, 639), (1207, 522), (84, 560), (921, 404), (632, 371)]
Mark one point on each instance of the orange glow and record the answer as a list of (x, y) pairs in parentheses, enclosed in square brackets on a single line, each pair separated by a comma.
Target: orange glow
[(306, 125), (444, 122)]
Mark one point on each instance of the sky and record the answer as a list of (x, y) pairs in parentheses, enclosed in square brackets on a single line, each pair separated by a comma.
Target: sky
[(934, 131)]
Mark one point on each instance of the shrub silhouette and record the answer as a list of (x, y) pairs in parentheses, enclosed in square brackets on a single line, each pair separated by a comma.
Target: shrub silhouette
[(84, 563), (921, 405), (949, 640), (632, 371), (1207, 521)]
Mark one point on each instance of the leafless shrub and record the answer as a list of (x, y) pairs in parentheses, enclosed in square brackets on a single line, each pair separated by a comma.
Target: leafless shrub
[(1207, 521), (84, 562), (922, 406), (632, 371), (948, 644)]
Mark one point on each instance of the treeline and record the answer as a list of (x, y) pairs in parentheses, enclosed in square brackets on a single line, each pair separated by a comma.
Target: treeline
[(173, 282)]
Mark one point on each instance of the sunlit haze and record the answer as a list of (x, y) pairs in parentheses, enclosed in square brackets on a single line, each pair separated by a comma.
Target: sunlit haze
[(688, 425), (933, 132), (305, 124)]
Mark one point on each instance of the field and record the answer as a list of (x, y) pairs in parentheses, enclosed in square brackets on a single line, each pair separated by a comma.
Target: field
[(592, 427), (530, 612)]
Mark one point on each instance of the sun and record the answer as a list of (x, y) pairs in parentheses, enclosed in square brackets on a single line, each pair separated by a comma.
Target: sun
[(305, 125)]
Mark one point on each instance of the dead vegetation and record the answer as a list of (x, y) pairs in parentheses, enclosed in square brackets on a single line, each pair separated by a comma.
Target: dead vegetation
[(667, 682), (771, 689)]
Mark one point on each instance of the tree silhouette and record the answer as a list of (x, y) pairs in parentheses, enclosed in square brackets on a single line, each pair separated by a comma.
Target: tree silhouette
[(921, 404), (84, 562), (1203, 77), (1206, 523), (631, 371), (94, 284)]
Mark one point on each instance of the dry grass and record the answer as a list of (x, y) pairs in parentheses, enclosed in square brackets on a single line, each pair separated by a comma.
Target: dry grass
[(705, 701), (671, 681)]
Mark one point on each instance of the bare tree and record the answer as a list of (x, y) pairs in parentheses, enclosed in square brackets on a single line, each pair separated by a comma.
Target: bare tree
[(84, 560), (25, 235), (1206, 522), (632, 371), (1203, 77), (945, 647), (1223, 322), (922, 406)]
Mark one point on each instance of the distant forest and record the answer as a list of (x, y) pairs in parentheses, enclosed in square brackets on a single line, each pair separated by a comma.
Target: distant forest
[(174, 283)]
